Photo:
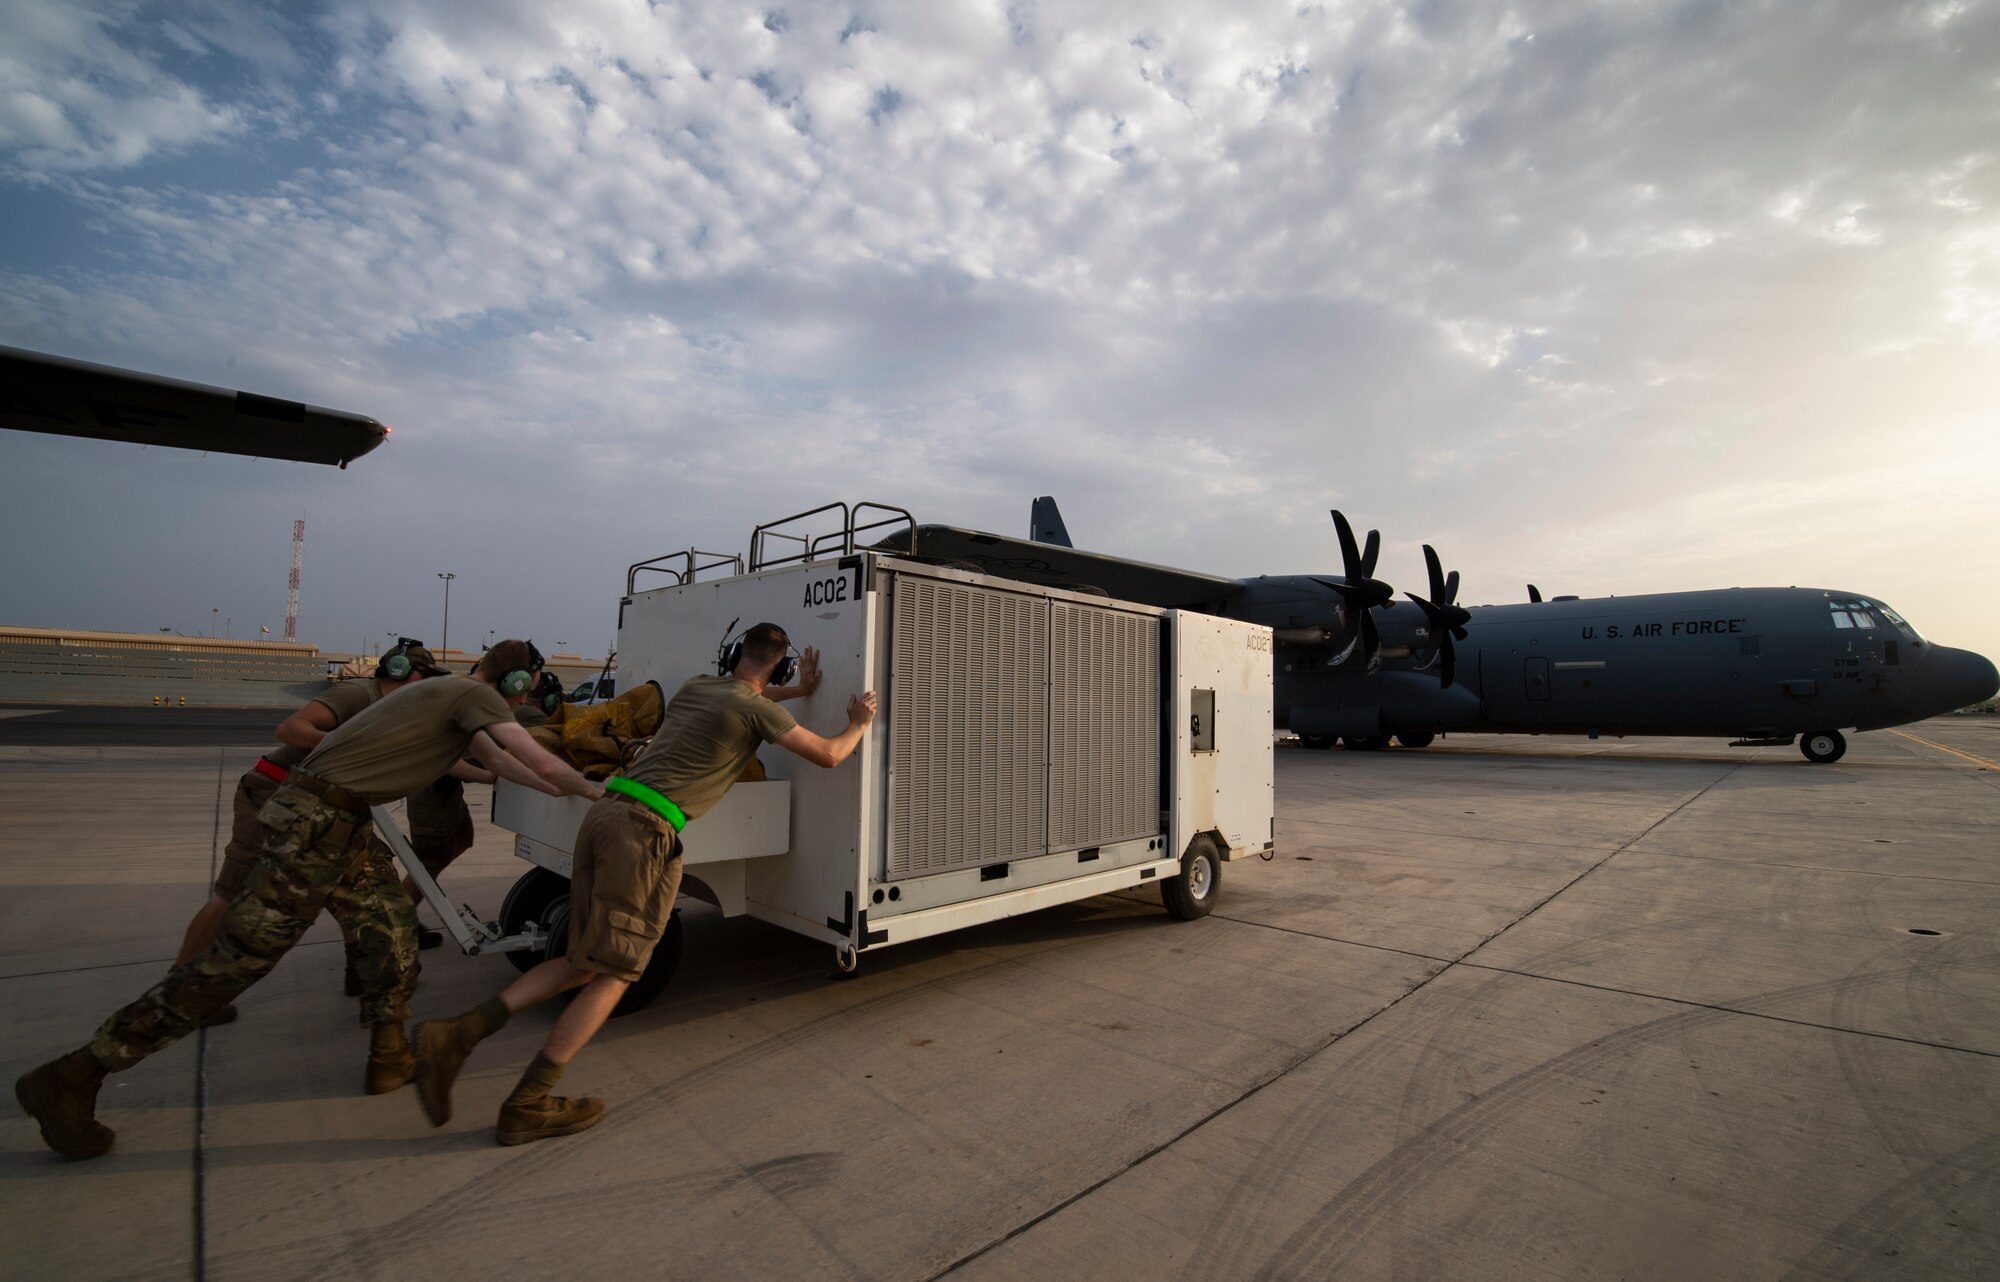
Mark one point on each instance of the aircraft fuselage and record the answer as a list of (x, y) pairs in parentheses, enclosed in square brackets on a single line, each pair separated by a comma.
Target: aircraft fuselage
[(1740, 662)]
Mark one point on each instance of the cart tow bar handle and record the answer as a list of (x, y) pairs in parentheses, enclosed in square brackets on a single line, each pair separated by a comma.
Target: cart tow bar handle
[(461, 921)]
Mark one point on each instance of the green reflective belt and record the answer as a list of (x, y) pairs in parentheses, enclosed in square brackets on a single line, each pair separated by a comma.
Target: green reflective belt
[(646, 797)]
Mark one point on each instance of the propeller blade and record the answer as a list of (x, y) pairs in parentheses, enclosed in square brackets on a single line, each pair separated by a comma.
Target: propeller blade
[(1350, 558), (1362, 591), (1445, 621), (1436, 573), (1443, 610)]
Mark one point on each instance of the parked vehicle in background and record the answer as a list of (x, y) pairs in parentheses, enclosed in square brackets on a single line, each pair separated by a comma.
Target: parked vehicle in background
[(592, 690)]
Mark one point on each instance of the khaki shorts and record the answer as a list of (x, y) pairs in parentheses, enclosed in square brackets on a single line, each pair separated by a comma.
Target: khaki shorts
[(623, 879), (246, 834)]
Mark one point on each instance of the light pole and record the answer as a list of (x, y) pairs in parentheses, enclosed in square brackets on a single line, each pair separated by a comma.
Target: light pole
[(213, 610), (444, 641)]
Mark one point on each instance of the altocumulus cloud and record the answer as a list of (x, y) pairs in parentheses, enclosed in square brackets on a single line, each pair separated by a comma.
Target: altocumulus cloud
[(1619, 298)]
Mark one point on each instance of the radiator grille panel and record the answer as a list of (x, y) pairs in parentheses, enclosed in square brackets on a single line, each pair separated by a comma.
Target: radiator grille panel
[(1104, 731), (968, 727)]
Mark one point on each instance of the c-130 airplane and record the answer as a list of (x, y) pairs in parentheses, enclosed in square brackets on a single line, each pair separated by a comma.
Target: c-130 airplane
[(1353, 666)]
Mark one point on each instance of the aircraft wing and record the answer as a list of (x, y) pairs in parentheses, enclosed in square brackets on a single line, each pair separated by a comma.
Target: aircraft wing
[(1063, 567), (43, 393)]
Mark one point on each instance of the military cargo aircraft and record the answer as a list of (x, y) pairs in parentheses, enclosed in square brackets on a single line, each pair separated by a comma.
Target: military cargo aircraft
[(1355, 666), (44, 393)]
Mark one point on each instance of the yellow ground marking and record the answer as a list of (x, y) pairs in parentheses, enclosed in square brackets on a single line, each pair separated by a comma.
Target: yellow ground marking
[(1990, 765)]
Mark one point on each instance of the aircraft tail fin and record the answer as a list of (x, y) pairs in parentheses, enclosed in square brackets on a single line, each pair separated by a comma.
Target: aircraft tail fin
[(1045, 523)]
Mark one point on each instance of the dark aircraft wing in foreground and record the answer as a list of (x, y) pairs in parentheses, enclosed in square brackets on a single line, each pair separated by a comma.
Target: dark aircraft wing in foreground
[(43, 393)]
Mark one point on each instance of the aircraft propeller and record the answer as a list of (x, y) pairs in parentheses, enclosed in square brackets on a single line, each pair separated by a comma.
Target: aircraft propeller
[(1362, 591), (1446, 617)]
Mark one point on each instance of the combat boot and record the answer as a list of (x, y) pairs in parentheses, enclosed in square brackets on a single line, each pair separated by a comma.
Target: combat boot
[(390, 1064), (441, 1048), (62, 1096), (533, 1113)]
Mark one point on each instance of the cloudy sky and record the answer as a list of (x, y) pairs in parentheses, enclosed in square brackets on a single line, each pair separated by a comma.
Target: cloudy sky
[(1613, 297)]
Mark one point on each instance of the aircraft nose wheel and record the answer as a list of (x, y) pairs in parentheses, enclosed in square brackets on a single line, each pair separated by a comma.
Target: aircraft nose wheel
[(1823, 745)]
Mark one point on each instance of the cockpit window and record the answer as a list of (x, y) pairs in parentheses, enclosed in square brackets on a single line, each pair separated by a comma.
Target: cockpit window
[(1854, 614), (1900, 623), (1863, 614)]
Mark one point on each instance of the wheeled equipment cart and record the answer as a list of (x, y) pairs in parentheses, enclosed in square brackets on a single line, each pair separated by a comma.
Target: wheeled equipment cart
[(1034, 746)]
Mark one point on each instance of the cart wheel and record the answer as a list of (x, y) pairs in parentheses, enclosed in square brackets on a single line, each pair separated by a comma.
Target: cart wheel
[(845, 959), (660, 967), (1192, 892), (530, 899)]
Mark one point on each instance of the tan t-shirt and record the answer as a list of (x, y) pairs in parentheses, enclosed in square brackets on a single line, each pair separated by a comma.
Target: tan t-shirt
[(344, 699), (400, 744), (711, 729)]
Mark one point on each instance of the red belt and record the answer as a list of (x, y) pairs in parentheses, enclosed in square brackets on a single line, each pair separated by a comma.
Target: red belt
[(271, 769)]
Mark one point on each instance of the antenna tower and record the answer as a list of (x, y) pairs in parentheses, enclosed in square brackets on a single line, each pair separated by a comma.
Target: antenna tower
[(292, 600)]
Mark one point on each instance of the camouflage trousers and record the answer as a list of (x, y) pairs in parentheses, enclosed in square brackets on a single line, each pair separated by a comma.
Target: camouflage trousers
[(378, 928), (315, 856)]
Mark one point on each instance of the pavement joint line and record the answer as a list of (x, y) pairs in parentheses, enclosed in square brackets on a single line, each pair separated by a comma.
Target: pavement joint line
[(1976, 760), (1854, 872), (199, 1158), (1405, 830), (142, 961), (1298, 1061), (1730, 1010), (1255, 1088), (1331, 939), (1643, 833)]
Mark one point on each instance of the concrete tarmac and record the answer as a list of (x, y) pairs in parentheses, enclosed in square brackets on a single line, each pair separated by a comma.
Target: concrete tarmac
[(1502, 1008)]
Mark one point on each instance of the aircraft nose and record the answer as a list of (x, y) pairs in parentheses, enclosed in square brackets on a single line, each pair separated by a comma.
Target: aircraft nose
[(1965, 678)]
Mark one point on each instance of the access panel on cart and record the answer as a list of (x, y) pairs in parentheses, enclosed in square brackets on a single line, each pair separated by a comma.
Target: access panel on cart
[(1222, 741), (672, 633)]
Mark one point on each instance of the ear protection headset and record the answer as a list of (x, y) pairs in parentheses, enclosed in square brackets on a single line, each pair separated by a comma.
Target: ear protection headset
[(730, 653), (522, 680), (549, 691), (395, 665)]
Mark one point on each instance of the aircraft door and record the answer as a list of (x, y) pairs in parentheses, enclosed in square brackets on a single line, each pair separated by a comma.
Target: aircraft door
[(1537, 677)]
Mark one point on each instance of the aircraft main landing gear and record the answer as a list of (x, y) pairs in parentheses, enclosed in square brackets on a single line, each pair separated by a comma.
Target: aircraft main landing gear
[(1823, 745)]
